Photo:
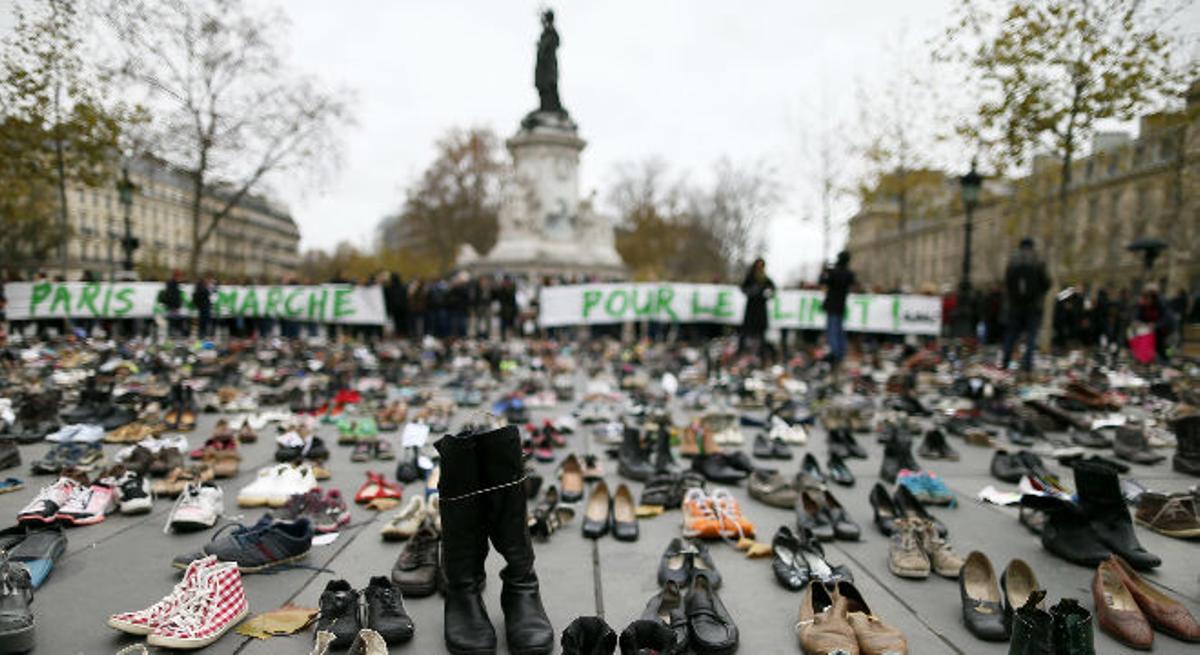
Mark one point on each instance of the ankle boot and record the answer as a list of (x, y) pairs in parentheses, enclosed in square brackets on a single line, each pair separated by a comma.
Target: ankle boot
[(1130, 444), (1102, 502), (632, 459), (1072, 631), (1068, 532), (643, 636), (588, 635), (664, 462), (897, 454), (503, 471), (467, 628), (1032, 628), (1187, 450)]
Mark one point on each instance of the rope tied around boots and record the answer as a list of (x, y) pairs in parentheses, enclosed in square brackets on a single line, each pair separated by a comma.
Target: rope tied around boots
[(478, 492)]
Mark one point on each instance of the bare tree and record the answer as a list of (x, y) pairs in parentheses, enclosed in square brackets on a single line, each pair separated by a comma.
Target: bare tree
[(736, 208), (227, 110), (455, 201)]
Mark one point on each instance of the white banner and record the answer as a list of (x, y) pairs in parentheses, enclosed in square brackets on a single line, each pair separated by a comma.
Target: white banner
[(326, 303), (669, 302)]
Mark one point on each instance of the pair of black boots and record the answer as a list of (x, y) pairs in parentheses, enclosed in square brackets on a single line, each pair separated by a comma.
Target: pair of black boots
[(482, 489), (1066, 629), (591, 635), (1090, 531), (637, 463)]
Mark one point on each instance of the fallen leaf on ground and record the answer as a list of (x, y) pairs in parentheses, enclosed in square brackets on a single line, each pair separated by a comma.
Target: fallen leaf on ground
[(286, 620)]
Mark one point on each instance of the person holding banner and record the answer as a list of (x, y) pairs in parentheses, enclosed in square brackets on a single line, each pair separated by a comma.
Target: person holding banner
[(837, 282), (758, 288)]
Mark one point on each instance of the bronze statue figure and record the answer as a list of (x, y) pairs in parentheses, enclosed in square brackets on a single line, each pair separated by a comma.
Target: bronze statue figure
[(545, 76)]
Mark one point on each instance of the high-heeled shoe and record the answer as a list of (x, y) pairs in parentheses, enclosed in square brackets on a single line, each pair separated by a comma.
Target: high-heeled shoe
[(885, 510)]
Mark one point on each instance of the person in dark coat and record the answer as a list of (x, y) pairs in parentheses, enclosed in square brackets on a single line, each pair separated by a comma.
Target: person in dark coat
[(837, 281), (758, 288), (172, 299), (1026, 283), (202, 301), (395, 296)]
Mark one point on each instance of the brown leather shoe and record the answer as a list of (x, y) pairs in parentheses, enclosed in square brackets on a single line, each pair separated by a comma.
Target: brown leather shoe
[(874, 636), (823, 628), (1162, 611), (1116, 610), (571, 479), (1174, 515), (942, 559)]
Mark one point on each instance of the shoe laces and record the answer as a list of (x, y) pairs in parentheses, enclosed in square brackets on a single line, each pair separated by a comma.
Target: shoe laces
[(389, 601), (728, 512), (192, 614), (78, 498)]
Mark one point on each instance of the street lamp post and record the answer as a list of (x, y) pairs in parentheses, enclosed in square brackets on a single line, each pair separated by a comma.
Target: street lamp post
[(129, 243), (970, 185)]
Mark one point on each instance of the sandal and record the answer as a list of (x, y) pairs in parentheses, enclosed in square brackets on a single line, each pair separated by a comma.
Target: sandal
[(376, 488)]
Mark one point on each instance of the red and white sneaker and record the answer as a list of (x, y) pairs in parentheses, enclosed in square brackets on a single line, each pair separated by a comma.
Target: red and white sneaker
[(145, 621), (89, 505), (216, 603), (45, 506)]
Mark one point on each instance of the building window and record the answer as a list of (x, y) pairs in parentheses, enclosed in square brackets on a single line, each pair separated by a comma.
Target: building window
[(1113, 160), (1089, 169), (1167, 148), (1139, 154)]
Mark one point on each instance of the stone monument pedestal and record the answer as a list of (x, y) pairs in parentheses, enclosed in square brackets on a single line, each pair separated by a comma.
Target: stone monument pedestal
[(545, 229)]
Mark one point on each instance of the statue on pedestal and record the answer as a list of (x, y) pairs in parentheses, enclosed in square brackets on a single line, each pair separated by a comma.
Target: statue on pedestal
[(545, 78)]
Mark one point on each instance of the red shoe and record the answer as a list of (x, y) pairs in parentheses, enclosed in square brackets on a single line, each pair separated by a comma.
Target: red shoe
[(542, 451), (215, 444), (347, 397), (376, 487)]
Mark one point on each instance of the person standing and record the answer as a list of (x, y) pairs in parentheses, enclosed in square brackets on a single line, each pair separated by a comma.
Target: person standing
[(202, 301), (172, 299), (837, 280), (1026, 284), (758, 287), (395, 297)]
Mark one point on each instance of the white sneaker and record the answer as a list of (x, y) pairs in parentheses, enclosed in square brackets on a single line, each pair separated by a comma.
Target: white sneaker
[(264, 487), (405, 522), (198, 507), (293, 481)]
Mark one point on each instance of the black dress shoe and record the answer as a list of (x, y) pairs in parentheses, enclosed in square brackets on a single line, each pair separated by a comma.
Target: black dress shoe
[(700, 562), (716, 468), (780, 450), (672, 566), (624, 515), (908, 506), (667, 608), (1007, 467), (645, 636), (710, 626), (762, 448), (588, 635), (789, 566), (812, 469), (843, 527), (885, 510), (1090, 439), (980, 596), (738, 461), (839, 472), (597, 514), (810, 517)]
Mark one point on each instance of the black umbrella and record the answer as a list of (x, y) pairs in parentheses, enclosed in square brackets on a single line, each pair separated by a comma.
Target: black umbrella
[(1150, 248)]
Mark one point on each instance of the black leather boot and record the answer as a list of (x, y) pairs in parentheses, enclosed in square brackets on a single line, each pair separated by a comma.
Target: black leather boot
[(467, 628), (644, 636), (1187, 450), (1100, 496), (1073, 632), (502, 471), (1068, 531), (897, 454), (588, 635), (633, 463), (664, 462), (1032, 628)]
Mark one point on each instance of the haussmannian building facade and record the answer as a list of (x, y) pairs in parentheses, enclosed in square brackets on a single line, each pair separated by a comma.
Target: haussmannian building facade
[(258, 240), (1124, 189)]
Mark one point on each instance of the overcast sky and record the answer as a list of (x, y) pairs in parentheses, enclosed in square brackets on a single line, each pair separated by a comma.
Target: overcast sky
[(687, 80)]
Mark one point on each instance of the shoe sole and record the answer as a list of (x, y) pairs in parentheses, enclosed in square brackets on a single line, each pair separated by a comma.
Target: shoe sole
[(176, 642), (254, 501), (18, 641), (910, 574), (129, 628), (138, 508), (1183, 534), (182, 566)]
